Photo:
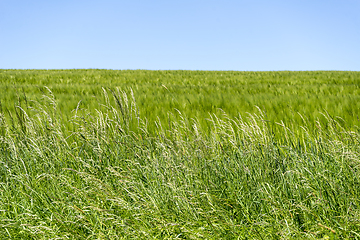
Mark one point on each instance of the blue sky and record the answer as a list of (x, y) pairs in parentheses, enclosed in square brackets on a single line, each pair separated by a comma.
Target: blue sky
[(193, 35)]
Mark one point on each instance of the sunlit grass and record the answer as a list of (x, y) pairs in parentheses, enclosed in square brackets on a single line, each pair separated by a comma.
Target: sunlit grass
[(281, 95), (107, 176)]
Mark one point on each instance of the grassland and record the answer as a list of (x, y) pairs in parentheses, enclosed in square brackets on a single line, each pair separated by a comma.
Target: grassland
[(281, 95), (179, 155)]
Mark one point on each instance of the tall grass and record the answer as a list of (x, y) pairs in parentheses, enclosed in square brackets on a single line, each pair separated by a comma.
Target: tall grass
[(110, 178)]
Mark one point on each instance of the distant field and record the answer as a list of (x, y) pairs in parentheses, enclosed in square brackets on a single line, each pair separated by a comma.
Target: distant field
[(281, 95), (100, 154)]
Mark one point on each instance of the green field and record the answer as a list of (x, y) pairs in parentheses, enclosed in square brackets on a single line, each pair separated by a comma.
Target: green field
[(281, 95), (104, 154)]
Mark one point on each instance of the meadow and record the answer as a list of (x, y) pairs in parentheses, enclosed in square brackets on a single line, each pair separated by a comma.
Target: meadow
[(281, 95), (104, 154)]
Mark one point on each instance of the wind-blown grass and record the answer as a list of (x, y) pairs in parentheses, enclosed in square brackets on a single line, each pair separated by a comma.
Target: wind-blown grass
[(113, 179), (281, 95)]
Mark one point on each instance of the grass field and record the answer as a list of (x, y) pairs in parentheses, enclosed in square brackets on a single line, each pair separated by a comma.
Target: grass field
[(281, 95), (179, 155)]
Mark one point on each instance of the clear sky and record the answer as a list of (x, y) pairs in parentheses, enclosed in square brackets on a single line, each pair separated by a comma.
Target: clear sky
[(194, 35)]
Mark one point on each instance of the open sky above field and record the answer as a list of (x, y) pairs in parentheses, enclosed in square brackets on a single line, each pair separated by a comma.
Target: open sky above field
[(194, 35)]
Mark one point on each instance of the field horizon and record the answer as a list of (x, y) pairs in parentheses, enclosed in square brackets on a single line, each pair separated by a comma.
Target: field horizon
[(282, 95)]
